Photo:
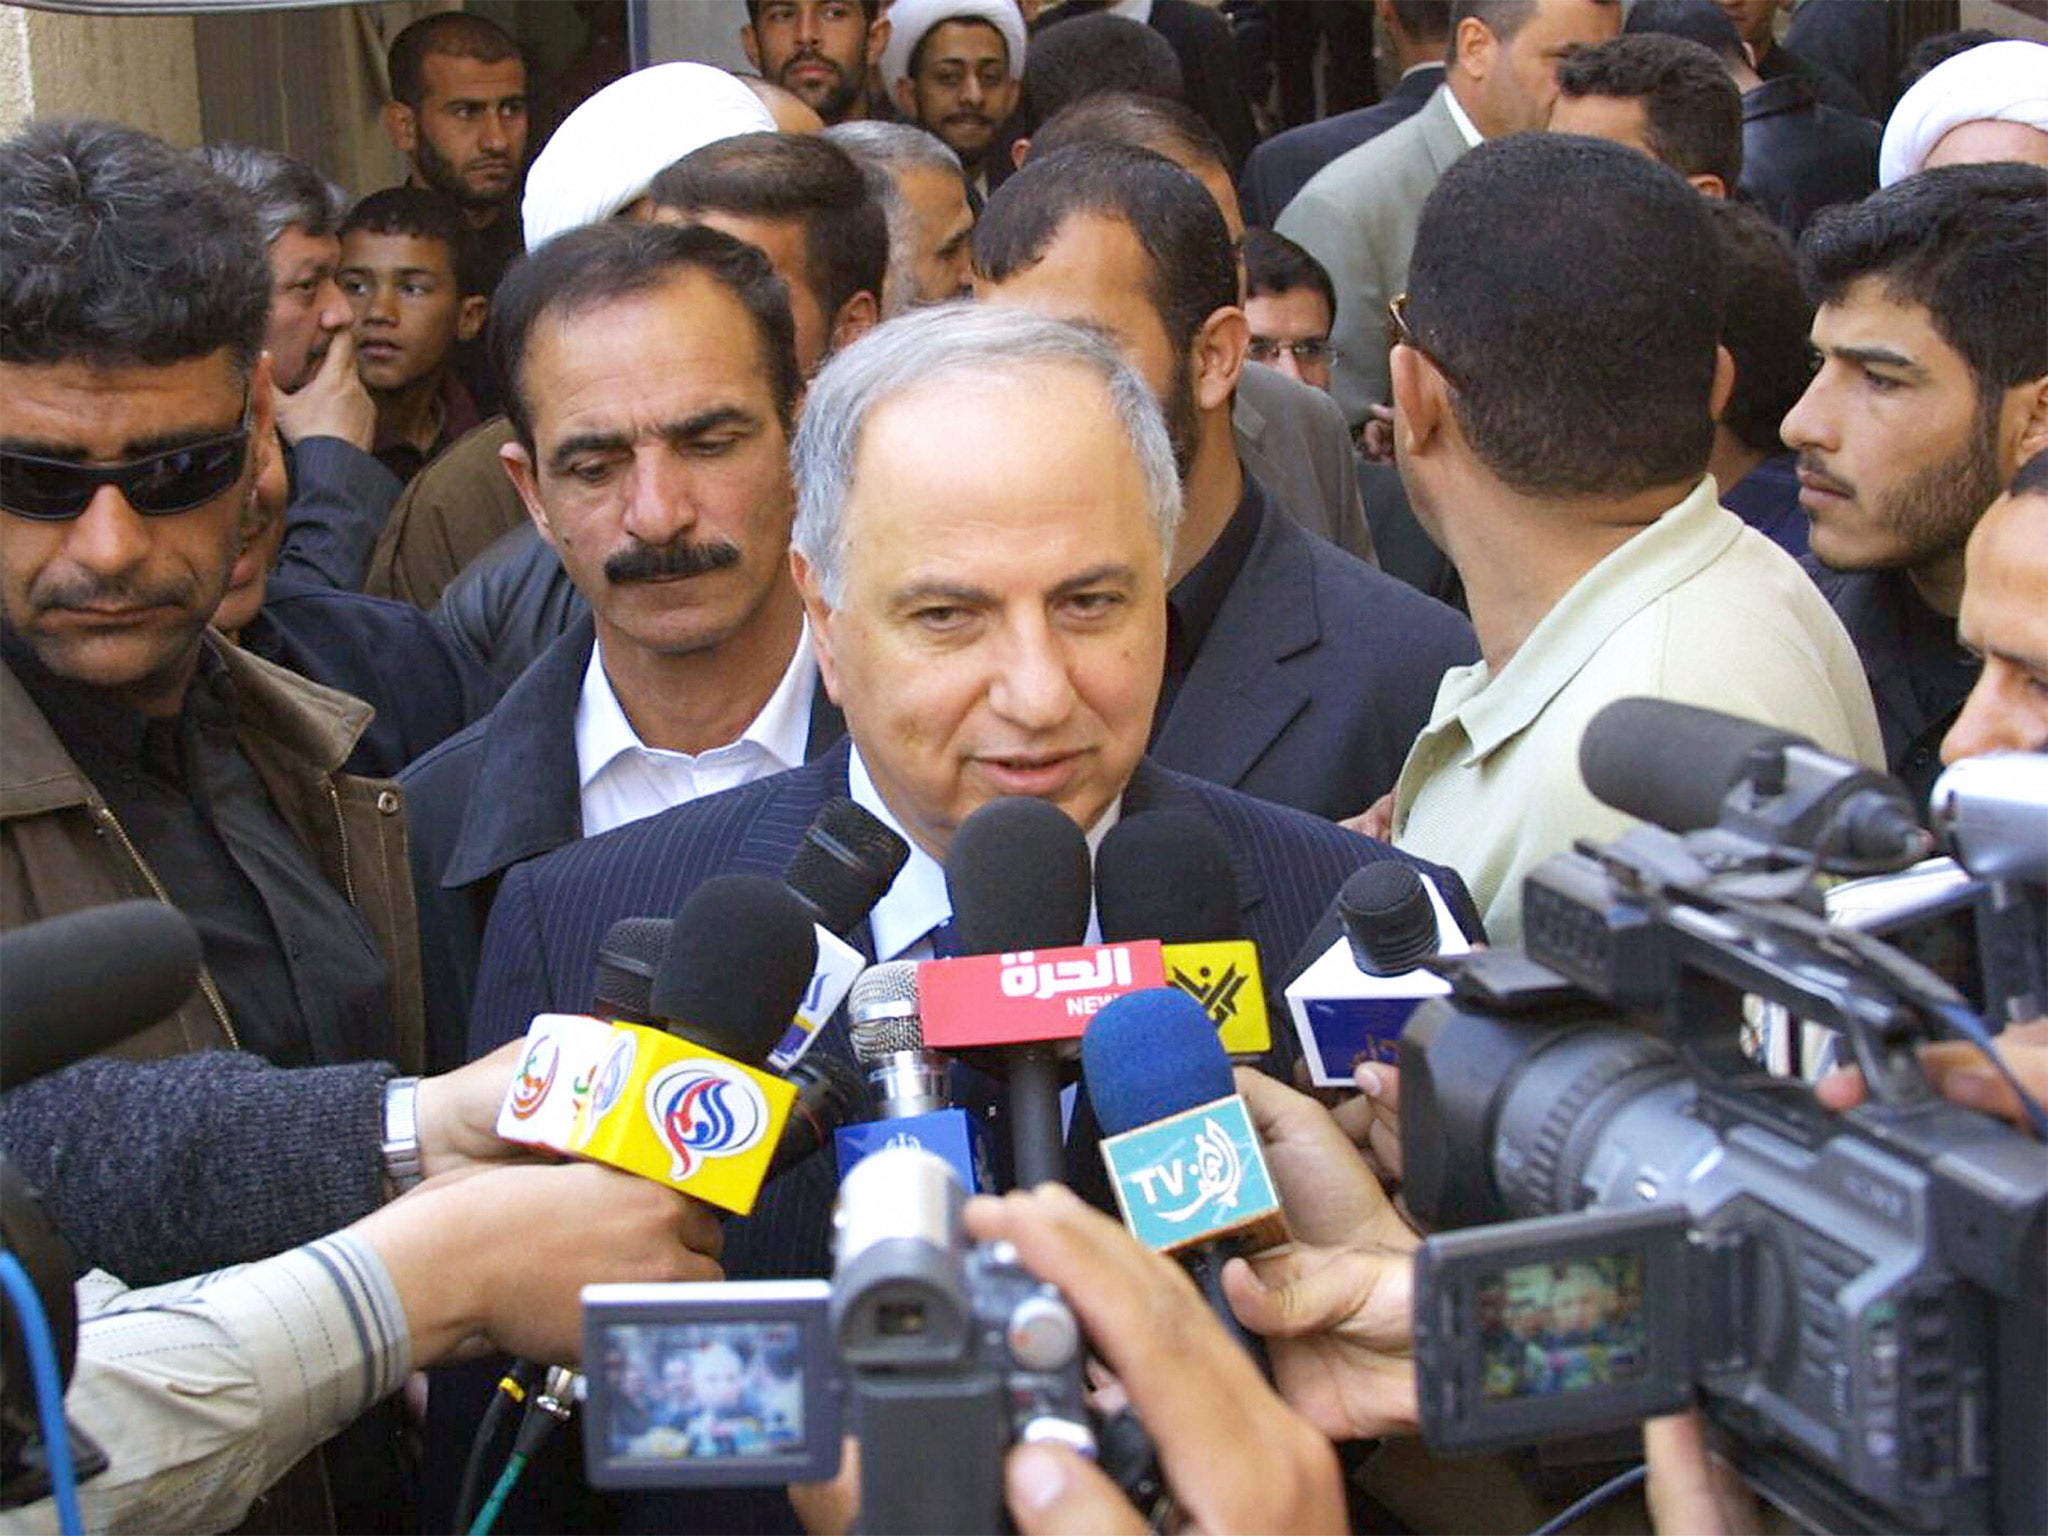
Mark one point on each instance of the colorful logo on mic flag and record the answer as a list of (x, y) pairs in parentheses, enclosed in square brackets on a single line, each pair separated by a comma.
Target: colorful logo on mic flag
[(704, 1110), (1192, 1176), (535, 1077)]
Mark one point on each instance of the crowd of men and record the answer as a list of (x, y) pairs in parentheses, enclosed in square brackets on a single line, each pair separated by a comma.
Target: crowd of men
[(972, 404)]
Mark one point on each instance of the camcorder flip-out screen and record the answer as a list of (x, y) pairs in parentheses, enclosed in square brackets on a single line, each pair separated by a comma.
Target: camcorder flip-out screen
[(1557, 1326), (697, 1386)]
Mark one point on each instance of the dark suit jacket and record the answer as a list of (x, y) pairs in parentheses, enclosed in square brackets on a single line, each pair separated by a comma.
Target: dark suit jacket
[(1799, 155), (552, 913), (1315, 679), (504, 790), (1281, 166)]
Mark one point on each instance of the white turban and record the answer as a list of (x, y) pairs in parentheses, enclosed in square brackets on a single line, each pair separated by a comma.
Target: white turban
[(612, 146), (1993, 82), (909, 20)]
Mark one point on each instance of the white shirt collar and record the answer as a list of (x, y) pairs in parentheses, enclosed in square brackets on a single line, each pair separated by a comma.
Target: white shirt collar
[(917, 903), (623, 779), (1473, 137), (1139, 11)]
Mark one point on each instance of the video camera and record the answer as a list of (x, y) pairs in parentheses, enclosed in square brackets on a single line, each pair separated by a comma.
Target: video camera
[(1858, 1300), (938, 1353)]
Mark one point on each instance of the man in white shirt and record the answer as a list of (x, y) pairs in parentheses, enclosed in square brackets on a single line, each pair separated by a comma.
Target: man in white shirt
[(653, 374)]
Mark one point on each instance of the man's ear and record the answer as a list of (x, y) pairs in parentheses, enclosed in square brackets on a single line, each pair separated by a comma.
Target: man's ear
[(751, 46), (519, 465), (878, 41), (269, 486), (2033, 433), (1707, 184), (1724, 382), (820, 615), (403, 126), (856, 317), (1020, 151), (1473, 46), (1419, 400), (904, 93), (1220, 348), (470, 318)]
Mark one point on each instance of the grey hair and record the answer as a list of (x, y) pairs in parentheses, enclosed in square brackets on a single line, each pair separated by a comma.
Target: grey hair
[(116, 249), (968, 344), (884, 151), (286, 192)]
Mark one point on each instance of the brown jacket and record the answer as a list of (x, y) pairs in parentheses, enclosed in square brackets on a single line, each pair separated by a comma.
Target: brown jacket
[(447, 516), (63, 849)]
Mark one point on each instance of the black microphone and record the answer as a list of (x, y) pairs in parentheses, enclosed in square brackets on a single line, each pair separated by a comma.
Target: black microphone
[(1685, 769), (827, 1092), (1166, 875), (739, 955), (1019, 878), (626, 963), (74, 985), (845, 864)]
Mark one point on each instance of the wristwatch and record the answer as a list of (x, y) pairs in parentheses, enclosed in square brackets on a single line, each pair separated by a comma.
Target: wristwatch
[(401, 1133)]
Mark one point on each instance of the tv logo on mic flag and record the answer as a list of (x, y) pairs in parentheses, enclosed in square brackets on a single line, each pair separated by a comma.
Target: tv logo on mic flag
[(544, 1105), (1192, 1176)]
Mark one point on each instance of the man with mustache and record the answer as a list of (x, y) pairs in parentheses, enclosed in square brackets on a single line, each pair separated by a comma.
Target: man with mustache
[(651, 374), (956, 69), (1932, 391), (823, 50)]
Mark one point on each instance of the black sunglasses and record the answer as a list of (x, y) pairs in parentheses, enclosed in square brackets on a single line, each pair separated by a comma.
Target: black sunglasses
[(156, 485)]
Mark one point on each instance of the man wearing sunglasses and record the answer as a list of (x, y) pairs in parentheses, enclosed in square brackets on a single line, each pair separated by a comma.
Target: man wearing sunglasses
[(140, 755)]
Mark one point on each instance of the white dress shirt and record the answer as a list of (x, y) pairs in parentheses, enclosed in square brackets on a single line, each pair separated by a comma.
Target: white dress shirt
[(917, 903), (624, 779)]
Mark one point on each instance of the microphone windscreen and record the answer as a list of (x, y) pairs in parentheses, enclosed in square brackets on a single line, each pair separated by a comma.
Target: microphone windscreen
[(1388, 918), (626, 963), (1671, 764), (1019, 878), (739, 956), (1151, 1054), (881, 1011), (845, 864), (1168, 877), (74, 985)]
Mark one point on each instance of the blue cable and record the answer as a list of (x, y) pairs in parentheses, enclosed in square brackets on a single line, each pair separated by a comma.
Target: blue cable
[(1971, 1028), (42, 1361)]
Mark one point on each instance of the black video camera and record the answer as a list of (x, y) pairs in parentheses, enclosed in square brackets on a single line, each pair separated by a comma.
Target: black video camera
[(938, 1353), (1859, 1300)]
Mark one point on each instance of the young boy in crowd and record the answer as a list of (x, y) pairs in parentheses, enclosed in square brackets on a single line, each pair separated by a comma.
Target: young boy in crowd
[(409, 267)]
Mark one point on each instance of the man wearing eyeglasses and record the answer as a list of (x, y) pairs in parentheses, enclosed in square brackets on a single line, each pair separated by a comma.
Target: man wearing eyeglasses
[(140, 755)]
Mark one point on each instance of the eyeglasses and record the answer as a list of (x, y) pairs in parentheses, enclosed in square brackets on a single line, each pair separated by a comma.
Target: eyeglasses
[(1316, 349), (1401, 333), (156, 485)]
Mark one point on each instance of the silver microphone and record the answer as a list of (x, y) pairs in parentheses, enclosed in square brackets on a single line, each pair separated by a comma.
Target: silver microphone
[(888, 1037)]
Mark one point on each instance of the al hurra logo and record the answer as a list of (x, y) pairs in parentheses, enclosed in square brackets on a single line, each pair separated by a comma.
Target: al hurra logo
[(1217, 993), (702, 1110), (530, 1087)]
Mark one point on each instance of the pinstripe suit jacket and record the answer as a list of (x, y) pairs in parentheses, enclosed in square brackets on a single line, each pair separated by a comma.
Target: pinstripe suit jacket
[(551, 914)]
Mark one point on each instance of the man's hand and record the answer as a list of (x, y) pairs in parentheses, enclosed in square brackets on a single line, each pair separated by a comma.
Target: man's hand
[(458, 1114), (1330, 1196), (503, 1254), (1962, 1076), (1339, 1332), (1376, 434), (1376, 820), (1693, 1492), (1235, 1457), (333, 403)]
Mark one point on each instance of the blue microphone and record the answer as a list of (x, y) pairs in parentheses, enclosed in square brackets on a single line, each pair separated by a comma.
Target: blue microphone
[(908, 1081), (1183, 1157)]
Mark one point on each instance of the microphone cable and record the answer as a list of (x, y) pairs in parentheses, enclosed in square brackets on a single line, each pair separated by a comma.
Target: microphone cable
[(512, 1390), (49, 1386)]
